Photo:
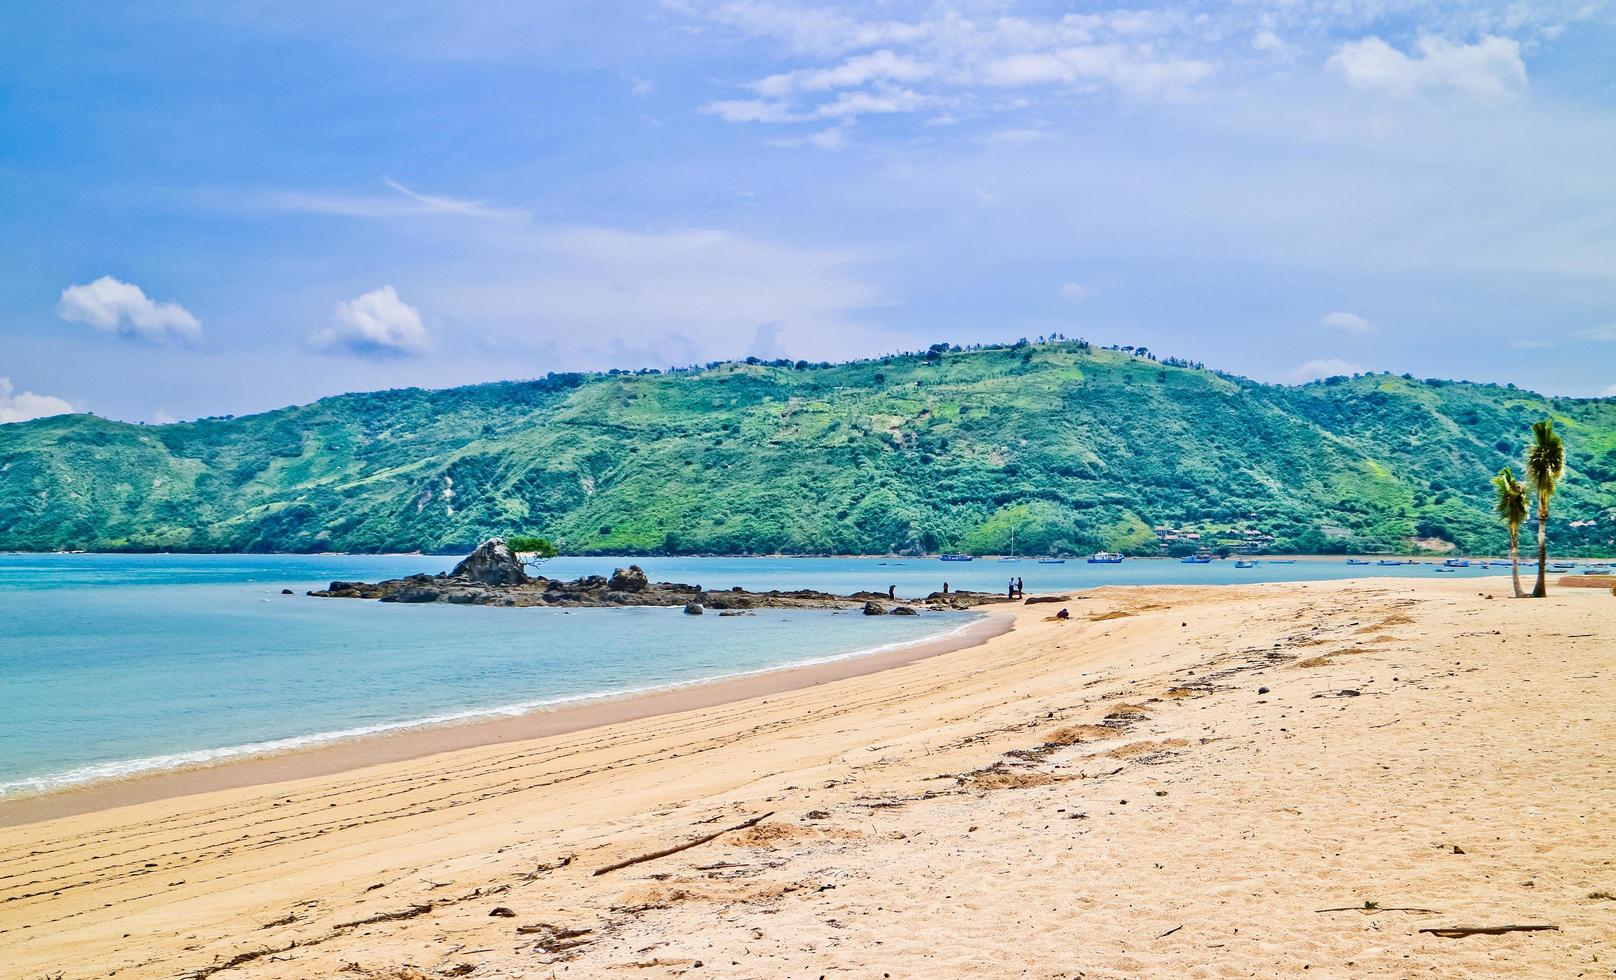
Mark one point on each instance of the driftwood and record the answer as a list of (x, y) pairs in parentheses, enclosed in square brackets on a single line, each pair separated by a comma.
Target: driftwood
[(539, 869), (1372, 909), (1169, 932), (680, 847), (1459, 932)]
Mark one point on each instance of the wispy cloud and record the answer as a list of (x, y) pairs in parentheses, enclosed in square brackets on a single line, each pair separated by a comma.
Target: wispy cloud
[(403, 203), (1604, 332), (113, 306), (20, 406), (950, 57)]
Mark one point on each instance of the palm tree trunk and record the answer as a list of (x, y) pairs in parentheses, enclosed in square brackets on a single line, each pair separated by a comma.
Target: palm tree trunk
[(1542, 589), (1515, 559)]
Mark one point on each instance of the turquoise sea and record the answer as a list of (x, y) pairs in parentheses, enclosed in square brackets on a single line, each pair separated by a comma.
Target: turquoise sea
[(117, 664)]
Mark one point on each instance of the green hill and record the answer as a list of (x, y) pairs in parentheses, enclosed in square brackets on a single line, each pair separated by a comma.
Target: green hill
[(1077, 448)]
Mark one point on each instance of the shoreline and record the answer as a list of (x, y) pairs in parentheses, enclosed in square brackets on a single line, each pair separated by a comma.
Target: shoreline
[(412, 741), (1261, 770)]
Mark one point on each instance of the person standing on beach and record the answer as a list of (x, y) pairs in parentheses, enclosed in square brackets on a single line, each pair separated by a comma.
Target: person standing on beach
[(892, 592), (1021, 590), (1010, 590)]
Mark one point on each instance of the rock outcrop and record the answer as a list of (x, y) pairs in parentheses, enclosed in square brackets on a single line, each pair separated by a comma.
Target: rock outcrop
[(493, 576), (493, 563), (630, 579)]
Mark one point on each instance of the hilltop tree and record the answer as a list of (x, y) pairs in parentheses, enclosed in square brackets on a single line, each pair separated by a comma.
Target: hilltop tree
[(1511, 507), (531, 550), (1545, 464)]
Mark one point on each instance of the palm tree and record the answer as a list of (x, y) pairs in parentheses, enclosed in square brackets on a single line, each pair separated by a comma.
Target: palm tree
[(1545, 464), (1512, 508)]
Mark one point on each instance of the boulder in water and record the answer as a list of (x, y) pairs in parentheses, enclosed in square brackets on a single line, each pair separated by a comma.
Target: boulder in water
[(493, 563), (873, 608), (693, 609)]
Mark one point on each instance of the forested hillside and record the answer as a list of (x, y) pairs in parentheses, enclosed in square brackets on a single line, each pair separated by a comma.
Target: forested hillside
[(1076, 448)]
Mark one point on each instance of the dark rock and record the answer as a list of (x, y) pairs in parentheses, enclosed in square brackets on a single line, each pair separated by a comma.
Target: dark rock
[(287, 592), (1262, 690), (873, 608), (501, 912), (630, 579), (415, 593), (1035, 599), (493, 563), (905, 611), (693, 609)]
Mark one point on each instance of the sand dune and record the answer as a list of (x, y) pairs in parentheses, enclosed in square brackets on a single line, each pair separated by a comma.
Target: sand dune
[(1243, 781)]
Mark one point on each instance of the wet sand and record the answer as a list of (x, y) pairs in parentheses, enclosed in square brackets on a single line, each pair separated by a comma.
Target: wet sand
[(1270, 780)]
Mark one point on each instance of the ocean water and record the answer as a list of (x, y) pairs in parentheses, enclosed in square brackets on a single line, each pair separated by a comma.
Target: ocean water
[(117, 664)]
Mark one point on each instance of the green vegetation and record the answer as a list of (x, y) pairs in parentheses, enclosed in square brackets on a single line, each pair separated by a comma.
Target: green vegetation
[(528, 545), (1545, 464), (532, 551), (1511, 509), (1078, 449)]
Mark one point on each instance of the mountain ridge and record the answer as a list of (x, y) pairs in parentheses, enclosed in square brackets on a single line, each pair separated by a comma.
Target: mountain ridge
[(1078, 448)]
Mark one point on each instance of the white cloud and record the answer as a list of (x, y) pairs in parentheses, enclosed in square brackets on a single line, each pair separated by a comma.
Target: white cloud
[(1074, 290), (377, 324), (1346, 322), (1267, 40), (881, 65), (1324, 368), (163, 416), (1608, 392), (20, 406), (751, 110), (1489, 69), (1131, 70), (852, 104), (1604, 332), (113, 306), (950, 58)]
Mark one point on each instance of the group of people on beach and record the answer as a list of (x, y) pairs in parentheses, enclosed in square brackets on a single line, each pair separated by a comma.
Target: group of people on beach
[(1015, 590)]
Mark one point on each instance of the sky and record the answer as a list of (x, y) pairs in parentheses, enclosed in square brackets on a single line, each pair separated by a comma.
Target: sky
[(215, 209)]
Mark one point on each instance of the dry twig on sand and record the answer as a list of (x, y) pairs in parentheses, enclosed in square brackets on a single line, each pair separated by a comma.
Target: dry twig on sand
[(681, 847), (1372, 909), (1459, 932)]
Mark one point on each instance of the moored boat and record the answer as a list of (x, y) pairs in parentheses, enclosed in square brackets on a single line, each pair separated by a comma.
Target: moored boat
[(956, 558), (1105, 558)]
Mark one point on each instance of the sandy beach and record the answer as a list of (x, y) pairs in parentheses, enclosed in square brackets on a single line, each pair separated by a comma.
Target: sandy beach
[(1178, 781)]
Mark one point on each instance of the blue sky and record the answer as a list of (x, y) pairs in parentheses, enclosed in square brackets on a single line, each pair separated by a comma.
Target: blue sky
[(221, 208)]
